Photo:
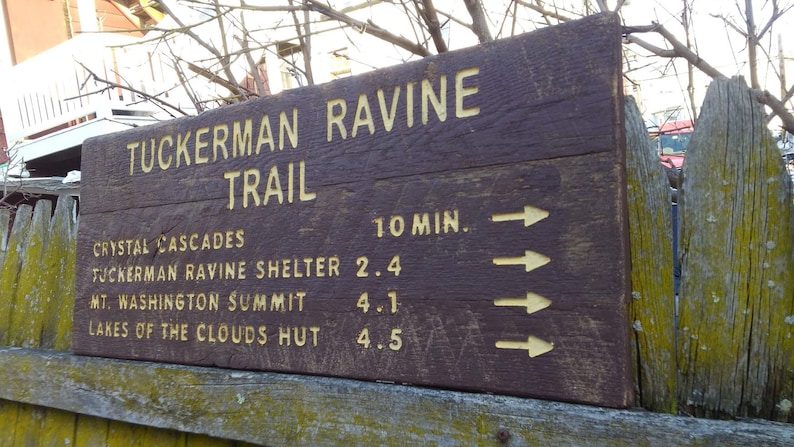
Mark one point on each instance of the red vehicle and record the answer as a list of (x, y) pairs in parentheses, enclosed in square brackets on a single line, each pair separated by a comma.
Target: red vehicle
[(671, 140)]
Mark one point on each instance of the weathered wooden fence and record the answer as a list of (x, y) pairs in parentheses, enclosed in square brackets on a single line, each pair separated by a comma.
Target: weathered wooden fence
[(729, 354)]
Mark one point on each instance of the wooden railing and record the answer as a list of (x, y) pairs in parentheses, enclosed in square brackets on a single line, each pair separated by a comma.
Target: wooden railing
[(59, 88), (729, 357)]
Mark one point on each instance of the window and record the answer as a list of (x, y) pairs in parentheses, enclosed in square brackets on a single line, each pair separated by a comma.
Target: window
[(340, 64), (291, 62)]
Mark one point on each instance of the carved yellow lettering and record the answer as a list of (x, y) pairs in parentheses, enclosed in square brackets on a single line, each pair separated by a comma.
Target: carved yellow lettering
[(409, 104), (363, 116), (390, 114), (147, 164), (181, 148), (241, 139), (132, 146), (164, 163), (250, 185), (439, 101), (451, 221), (230, 176), (291, 130), (461, 92), (421, 224), (265, 135), (219, 136), (273, 187), (335, 119), (305, 196), (201, 144)]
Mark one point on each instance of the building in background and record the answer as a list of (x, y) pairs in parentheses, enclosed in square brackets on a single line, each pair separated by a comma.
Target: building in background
[(48, 104)]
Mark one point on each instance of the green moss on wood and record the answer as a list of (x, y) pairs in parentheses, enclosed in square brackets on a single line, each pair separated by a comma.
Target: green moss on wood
[(652, 307), (27, 313), (57, 427), (59, 263), (91, 430), (5, 221), (10, 273), (737, 287), (9, 412)]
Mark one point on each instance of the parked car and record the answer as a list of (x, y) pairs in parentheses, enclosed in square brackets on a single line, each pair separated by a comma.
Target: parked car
[(671, 140)]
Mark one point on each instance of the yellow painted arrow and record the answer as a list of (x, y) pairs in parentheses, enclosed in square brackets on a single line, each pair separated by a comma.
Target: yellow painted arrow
[(534, 345), (530, 215), (530, 260), (533, 302)]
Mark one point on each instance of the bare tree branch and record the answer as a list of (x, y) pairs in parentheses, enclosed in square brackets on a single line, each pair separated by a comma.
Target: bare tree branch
[(369, 28), (545, 12), (180, 74), (452, 18), (212, 77), (111, 85), (789, 94), (729, 23), (602, 6), (254, 67), (678, 50), (430, 17), (776, 14), (244, 6), (752, 42), (479, 22), (778, 108), (686, 20), (539, 5), (304, 40), (214, 51)]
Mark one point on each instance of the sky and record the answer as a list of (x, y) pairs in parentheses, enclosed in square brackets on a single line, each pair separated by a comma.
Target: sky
[(720, 45)]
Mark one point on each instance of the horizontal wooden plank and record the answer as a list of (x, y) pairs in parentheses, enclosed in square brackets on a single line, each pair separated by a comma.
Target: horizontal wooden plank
[(553, 93), (53, 186), (435, 322), (278, 409)]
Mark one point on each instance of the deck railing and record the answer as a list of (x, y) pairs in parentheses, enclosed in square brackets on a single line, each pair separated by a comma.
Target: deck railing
[(81, 80)]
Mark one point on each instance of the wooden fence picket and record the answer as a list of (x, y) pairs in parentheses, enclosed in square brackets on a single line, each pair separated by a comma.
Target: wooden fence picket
[(737, 290), (27, 311), (5, 221), (17, 243), (652, 305), (10, 424), (59, 261)]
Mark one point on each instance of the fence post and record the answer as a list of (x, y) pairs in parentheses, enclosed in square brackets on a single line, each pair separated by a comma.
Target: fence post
[(27, 313), (652, 307), (59, 262), (735, 247), (9, 274)]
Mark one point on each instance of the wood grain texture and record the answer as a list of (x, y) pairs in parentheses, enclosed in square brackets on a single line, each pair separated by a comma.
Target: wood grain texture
[(27, 310), (735, 246), (540, 95), (9, 277), (9, 412), (653, 305), (277, 409), (446, 291), (547, 133), (59, 263)]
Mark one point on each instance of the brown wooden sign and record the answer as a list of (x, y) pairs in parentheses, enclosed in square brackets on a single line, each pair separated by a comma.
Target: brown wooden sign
[(455, 222)]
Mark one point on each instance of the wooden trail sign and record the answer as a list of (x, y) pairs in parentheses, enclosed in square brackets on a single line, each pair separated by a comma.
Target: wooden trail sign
[(455, 222)]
